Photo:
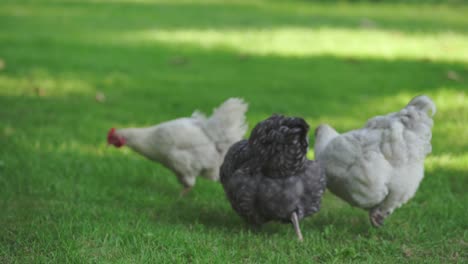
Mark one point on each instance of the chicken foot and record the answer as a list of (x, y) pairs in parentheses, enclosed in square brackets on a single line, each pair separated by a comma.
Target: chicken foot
[(377, 217), (295, 222)]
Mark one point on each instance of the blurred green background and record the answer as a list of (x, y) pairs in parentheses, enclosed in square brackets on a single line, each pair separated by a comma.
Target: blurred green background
[(70, 70)]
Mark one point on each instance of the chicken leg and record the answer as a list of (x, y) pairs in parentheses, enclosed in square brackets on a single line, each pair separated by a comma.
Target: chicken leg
[(187, 180), (394, 199), (295, 222), (377, 217)]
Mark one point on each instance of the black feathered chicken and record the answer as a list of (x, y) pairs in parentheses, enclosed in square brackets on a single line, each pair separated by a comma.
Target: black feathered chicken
[(269, 177)]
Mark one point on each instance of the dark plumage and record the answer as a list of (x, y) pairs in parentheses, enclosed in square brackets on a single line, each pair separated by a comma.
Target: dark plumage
[(269, 177)]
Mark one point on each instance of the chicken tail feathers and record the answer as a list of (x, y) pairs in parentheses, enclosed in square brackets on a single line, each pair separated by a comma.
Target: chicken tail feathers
[(227, 124), (423, 103)]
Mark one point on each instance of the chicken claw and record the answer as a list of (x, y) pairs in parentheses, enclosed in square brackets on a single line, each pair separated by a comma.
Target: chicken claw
[(377, 217)]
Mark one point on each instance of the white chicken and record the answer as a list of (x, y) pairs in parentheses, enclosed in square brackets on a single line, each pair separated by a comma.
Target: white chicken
[(190, 146), (378, 167)]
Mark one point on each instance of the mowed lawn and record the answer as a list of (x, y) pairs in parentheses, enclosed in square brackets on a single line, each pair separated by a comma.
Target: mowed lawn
[(67, 197)]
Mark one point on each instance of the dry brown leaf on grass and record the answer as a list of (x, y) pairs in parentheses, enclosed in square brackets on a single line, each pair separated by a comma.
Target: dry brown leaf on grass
[(463, 243), (243, 56), (453, 75), (407, 251), (455, 256), (178, 60), (352, 60), (8, 131), (2, 64), (367, 23), (41, 92), (100, 97)]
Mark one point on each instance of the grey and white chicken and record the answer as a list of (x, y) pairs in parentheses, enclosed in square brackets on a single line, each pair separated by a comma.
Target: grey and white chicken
[(268, 177), (189, 146), (378, 167)]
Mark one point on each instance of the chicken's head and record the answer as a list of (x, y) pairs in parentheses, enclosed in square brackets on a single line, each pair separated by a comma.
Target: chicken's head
[(114, 139)]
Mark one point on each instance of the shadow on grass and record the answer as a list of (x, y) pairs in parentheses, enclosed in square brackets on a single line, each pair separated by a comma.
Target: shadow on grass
[(153, 71), (49, 187), (440, 198), (150, 88)]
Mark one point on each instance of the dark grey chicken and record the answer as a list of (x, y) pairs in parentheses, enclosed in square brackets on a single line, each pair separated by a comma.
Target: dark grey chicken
[(269, 177)]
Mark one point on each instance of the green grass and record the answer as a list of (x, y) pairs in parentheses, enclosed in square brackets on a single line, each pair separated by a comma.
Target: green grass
[(66, 197)]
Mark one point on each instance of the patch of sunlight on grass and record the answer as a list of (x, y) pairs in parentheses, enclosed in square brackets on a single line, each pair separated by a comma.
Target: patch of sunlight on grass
[(297, 41), (445, 98), (447, 161), (41, 83)]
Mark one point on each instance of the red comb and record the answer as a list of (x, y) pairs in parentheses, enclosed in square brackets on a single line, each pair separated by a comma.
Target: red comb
[(110, 134)]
